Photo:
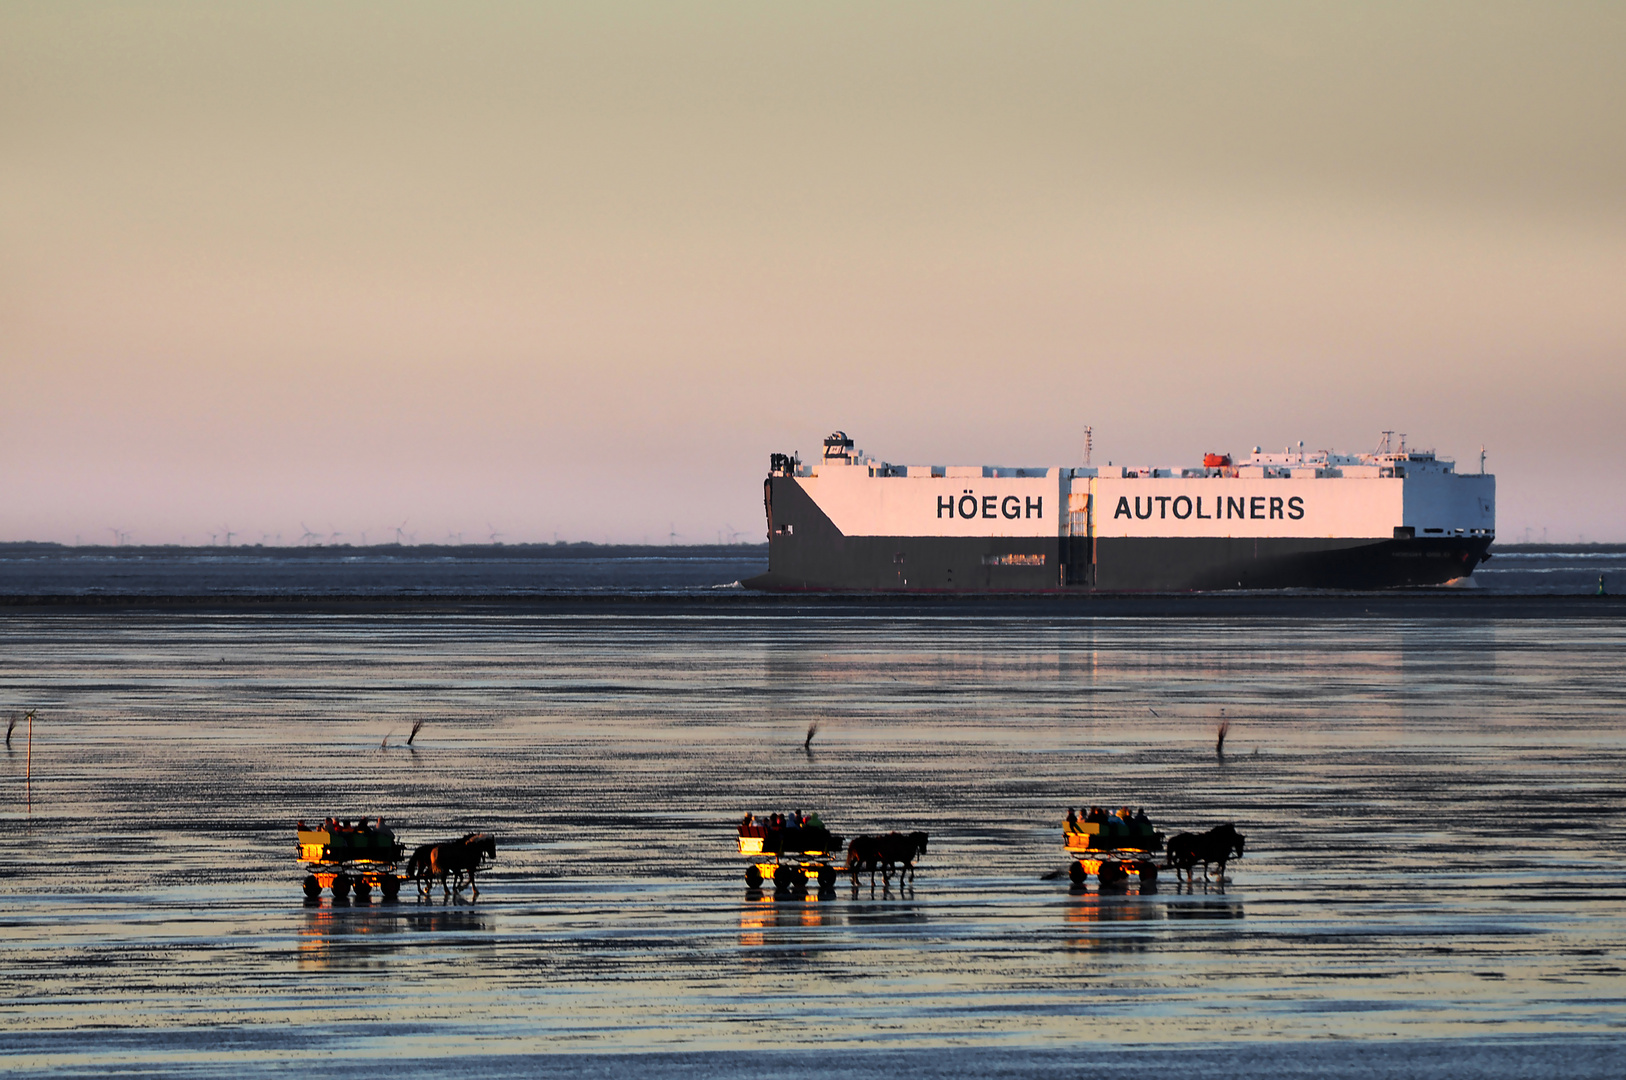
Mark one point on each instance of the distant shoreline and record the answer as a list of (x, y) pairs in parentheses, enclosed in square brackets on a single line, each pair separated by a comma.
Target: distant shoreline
[(559, 550), (1454, 604)]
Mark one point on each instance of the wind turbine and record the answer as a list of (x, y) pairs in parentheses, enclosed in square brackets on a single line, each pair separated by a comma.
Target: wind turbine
[(309, 536), (229, 534), (672, 533), (400, 531), (334, 534), (494, 532)]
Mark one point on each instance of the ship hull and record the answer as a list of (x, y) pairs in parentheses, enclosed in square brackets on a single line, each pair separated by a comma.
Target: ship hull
[(936, 564), (814, 555)]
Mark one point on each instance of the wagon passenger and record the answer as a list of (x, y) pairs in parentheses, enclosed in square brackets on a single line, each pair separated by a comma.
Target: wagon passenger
[(1072, 820)]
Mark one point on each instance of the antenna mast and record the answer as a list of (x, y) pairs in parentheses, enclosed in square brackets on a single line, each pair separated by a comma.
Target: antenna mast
[(1089, 443)]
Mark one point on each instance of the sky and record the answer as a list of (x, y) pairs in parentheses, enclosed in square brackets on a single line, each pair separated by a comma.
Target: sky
[(534, 271)]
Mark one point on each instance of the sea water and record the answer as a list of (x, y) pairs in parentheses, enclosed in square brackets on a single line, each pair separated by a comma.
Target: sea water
[(1432, 879)]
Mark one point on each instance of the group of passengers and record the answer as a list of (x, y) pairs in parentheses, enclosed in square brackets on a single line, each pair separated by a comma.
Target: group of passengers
[(773, 822), (362, 828), (1123, 823)]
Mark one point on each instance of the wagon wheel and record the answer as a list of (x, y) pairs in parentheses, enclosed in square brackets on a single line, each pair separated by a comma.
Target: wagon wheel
[(363, 889), (313, 888), (1076, 873), (1112, 874), (827, 879), (753, 877), (390, 886), (341, 886), (1148, 874)]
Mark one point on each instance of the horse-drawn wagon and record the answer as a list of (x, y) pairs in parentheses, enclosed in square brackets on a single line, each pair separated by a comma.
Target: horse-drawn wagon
[(799, 854), (1113, 849), (356, 859), (350, 859)]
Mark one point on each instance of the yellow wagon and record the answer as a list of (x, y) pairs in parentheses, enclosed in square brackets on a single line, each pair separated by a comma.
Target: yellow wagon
[(350, 859), (790, 857), (1112, 851)]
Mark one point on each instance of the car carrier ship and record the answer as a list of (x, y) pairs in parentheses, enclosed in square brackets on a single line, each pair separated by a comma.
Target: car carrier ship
[(1319, 520)]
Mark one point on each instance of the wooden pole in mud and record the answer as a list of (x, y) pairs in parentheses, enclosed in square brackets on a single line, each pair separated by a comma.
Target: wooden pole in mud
[(29, 775)]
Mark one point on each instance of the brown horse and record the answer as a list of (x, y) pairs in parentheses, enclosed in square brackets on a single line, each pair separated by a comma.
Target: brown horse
[(1217, 845), (885, 852), (453, 859)]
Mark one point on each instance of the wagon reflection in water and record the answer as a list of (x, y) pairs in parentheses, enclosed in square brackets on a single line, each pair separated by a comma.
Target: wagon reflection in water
[(785, 924), (364, 938), (1111, 923)]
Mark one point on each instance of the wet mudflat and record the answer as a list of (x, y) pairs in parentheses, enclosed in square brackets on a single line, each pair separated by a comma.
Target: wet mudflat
[(1433, 810)]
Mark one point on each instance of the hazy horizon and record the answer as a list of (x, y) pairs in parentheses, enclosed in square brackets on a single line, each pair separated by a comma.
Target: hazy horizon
[(577, 271)]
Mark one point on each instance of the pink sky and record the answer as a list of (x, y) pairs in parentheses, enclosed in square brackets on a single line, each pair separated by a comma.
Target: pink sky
[(577, 272)]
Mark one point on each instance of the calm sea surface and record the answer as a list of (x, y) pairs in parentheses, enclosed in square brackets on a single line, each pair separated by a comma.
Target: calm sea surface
[(1433, 881), (490, 570)]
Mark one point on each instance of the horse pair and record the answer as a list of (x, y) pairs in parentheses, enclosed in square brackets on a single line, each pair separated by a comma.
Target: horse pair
[(1217, 845), (885, 852), (454, 858)]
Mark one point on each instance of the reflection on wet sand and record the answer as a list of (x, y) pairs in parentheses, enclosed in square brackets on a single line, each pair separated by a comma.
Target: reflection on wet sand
[(625, 743), (362, 937), (1205, 908), (1098, 911), (782, 928)]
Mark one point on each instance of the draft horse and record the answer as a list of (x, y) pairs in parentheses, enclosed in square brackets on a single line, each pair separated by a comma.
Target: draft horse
[(454, 859), (1218, 845), (885, 852)]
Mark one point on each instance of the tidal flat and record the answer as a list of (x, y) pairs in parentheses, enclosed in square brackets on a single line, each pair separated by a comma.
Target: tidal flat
[(1432, 799)]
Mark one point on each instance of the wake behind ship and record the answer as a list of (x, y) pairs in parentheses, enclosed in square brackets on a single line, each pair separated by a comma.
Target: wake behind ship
[(1395, 517)]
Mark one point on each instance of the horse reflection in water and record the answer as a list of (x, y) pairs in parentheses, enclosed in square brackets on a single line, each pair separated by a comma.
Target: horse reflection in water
[(453, 859)]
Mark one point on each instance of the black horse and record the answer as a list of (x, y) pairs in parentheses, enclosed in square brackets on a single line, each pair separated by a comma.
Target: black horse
[(454, 858), (885, 852), (1217, 845)]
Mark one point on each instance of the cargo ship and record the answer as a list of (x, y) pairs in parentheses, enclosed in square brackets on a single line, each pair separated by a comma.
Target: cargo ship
[(1295, 520)]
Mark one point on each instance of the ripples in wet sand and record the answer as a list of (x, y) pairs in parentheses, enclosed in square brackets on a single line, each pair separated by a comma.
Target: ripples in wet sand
[(1432, 879)]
